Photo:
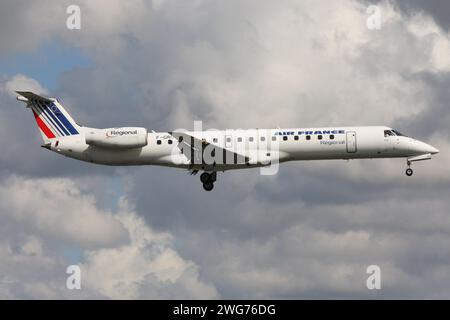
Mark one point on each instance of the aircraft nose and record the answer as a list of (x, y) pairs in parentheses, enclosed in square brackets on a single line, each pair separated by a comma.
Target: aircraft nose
[(426, 148), (433, 150)]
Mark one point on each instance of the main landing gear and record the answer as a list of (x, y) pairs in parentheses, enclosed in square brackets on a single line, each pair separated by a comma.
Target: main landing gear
[(208, 180)]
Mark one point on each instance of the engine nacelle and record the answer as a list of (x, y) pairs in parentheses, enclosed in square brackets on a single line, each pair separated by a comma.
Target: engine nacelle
[(117, 138)]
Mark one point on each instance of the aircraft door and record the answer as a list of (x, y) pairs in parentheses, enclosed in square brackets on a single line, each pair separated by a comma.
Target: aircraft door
[(351, 142)]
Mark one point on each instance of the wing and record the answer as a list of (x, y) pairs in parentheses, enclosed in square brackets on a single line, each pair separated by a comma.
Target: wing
[(201, 152)]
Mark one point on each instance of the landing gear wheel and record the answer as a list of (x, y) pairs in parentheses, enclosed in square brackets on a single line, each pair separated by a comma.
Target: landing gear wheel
[(205, 178), (208, 180), (208, 186), (409, 172)]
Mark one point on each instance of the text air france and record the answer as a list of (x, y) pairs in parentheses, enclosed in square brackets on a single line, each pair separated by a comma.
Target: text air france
[(309, 132)]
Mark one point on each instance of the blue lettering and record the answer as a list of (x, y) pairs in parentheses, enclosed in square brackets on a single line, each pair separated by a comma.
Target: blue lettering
[(291, 133)]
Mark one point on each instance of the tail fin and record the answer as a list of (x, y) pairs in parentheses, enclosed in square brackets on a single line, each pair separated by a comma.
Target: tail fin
[(52, 119)]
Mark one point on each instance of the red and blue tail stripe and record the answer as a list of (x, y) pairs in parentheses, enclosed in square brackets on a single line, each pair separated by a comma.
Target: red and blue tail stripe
[(50, 119), (44, 128), (53, 119)]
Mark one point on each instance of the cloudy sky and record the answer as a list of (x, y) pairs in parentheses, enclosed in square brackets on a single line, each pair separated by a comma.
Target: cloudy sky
[(147, 232)]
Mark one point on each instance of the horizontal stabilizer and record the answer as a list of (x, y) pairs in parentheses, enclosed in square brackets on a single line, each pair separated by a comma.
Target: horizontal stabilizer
[(33, 97)]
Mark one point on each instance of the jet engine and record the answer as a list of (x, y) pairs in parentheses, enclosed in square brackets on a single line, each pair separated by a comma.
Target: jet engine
[(117, 138)]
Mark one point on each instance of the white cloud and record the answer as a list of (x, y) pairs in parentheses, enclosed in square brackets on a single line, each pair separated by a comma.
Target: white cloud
[(148, 261), (21, 82), (122, 257), (57, 208)]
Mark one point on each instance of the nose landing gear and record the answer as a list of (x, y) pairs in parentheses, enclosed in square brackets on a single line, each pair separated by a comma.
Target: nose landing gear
[(208, 180), (421, 157), (409, 171)]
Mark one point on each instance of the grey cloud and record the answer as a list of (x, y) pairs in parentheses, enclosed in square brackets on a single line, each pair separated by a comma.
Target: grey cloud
[(311, 230), (120, 256), (438, 9), (46, 206)]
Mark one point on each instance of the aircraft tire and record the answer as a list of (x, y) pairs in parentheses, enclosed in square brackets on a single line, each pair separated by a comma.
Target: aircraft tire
[(205, 178), (208, 186), (409, 172)]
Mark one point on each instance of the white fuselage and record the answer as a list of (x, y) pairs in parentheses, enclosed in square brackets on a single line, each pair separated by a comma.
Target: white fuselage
[(219, 150), (261, 146)]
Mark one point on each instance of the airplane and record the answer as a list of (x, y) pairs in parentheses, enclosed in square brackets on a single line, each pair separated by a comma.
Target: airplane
[(216, 150)]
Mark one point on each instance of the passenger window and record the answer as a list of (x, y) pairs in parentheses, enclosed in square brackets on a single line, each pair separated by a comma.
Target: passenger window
[(263, 138), (239, 139), (180, 139), (169, 141), (214, 139), (250, 139), (228, 139), (319, 137), (285, 138), (295, 138), (274, 138), (158, 141), (308, 137), (331, 136)]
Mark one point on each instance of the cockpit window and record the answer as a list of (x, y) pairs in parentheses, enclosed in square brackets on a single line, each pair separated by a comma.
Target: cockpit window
[(398, 133), (388, 133)]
